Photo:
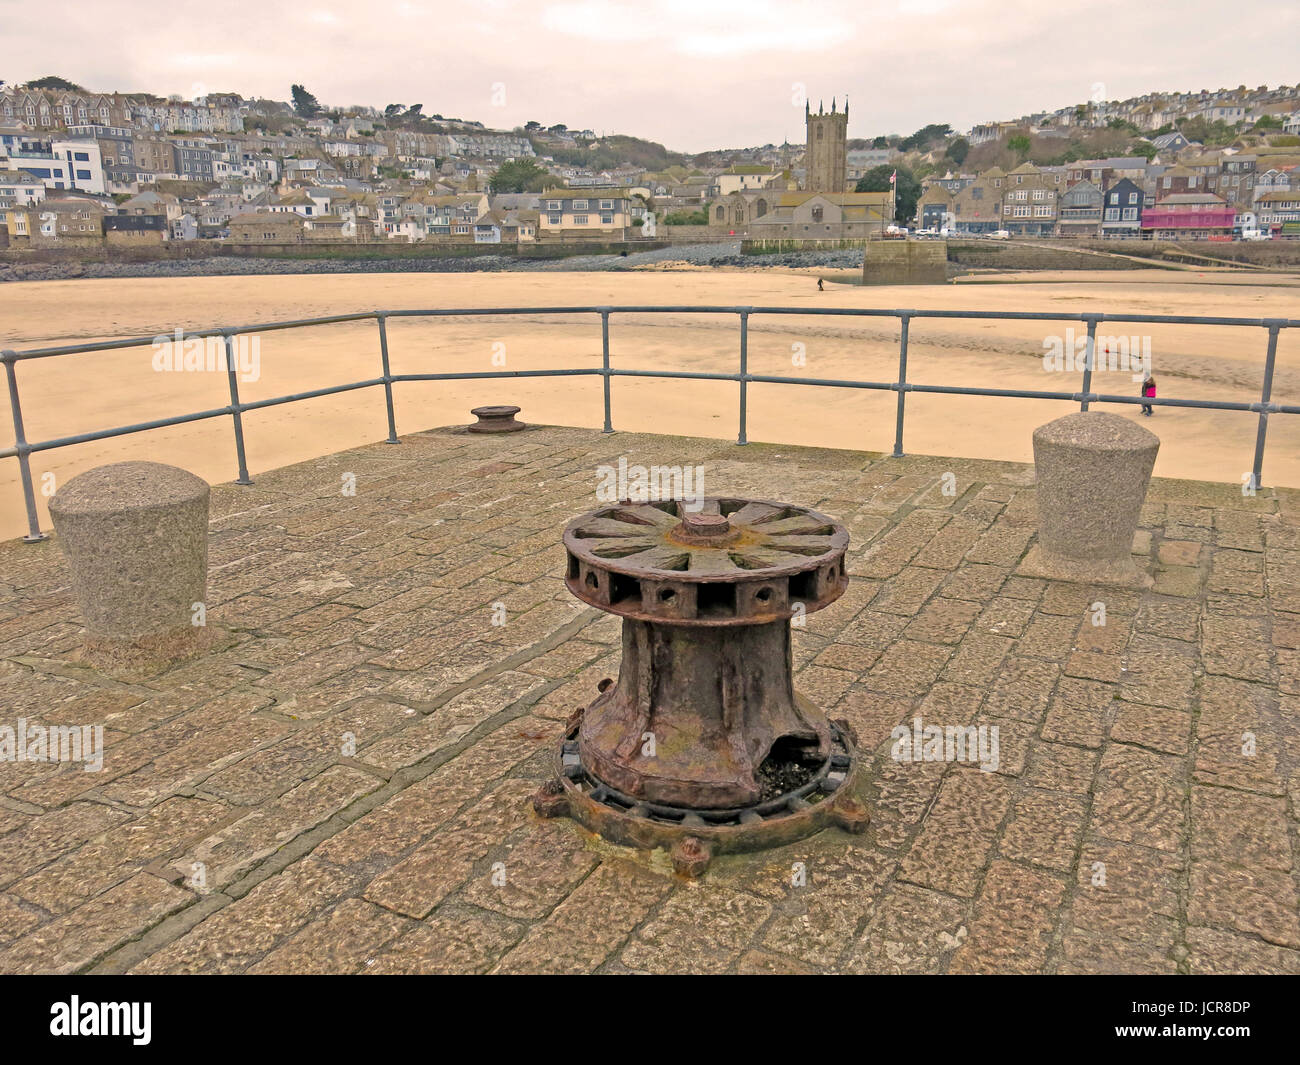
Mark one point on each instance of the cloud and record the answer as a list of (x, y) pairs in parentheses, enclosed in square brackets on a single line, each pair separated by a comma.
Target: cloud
[(690, 75)]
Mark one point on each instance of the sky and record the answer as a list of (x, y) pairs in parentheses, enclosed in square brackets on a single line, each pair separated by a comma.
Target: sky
[(693, 76)]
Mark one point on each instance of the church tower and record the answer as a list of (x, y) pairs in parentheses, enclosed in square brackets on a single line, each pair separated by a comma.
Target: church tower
[(826, 158)]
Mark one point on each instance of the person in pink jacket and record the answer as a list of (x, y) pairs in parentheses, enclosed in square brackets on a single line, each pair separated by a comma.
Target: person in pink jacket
[(1148, 392)]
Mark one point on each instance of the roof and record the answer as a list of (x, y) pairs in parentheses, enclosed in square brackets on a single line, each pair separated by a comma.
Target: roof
[(1192, 197), (840, 199)]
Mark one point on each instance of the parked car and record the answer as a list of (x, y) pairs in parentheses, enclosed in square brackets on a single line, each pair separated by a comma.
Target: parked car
[(1000, 234)]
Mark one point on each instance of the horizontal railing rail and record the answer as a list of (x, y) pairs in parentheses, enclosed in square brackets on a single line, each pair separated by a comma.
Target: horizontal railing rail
[(23, 449)]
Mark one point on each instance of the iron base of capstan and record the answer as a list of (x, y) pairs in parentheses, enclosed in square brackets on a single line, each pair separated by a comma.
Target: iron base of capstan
[(694, 837)]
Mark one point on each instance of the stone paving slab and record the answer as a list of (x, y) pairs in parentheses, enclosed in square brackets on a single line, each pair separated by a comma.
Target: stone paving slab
[(342, 784)]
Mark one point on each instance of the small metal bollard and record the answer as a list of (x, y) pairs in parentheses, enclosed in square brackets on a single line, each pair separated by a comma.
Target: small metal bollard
[(496, 420)]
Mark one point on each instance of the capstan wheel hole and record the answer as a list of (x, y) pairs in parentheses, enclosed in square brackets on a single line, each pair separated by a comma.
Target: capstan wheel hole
[(622, 588), (592, 582), (667, 595), (803, 585), (716, 600)]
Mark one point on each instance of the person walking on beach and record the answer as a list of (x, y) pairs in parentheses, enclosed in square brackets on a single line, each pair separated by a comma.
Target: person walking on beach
[(820, 286), (1148, 392)]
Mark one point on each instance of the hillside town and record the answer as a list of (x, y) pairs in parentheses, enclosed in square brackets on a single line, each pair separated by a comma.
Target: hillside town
[(85, 169)]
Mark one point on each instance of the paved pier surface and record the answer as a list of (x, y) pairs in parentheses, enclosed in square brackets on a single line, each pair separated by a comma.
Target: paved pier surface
[(331, 789)]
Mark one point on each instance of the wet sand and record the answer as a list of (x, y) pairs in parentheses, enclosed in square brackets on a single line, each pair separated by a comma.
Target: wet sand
[(72, 394)]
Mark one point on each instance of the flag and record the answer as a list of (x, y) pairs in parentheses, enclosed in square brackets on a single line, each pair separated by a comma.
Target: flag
[(893, 178)]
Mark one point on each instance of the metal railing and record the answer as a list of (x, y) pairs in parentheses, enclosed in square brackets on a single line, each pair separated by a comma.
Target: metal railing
[(24, 449)]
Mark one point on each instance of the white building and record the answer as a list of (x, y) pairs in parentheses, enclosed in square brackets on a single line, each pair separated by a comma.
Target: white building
[(61, 164)]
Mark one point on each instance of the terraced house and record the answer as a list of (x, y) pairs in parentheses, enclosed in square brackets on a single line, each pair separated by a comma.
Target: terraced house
[(599, 215), (1029, 200), (1079, 211)]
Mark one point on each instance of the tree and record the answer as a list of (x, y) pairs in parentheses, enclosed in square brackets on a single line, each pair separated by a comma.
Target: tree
[(414, 110), (304, 103), (906, 193), (392, 110), (923, 136), (533, 127), (52, 81), (958, 150), (520, 175), (1143, 148), (1020, 144), (688, 218)]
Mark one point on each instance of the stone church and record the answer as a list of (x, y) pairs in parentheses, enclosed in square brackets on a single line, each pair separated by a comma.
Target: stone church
[(826, 157), (824, 209)]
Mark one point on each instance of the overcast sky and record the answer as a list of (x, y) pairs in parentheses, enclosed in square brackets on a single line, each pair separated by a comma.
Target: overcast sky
[(723, 73)]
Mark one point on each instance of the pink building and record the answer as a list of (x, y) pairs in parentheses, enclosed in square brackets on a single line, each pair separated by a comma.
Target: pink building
[(1188, 216)]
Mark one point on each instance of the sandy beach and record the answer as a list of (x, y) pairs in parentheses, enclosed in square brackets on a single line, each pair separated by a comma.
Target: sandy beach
[(72, 394)]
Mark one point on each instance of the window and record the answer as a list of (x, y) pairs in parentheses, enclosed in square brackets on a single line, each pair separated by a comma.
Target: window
[(579, 219), (554, 219), (816, 214), (1022, 194), (1130, 214), (1022, 212), (579, 205), (1040, 194), (606, 218), (553, 205), (1042, 212), (606, 205), (1112, 214)]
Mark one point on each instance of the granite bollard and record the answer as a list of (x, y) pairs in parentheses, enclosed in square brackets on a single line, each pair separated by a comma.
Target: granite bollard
[(1093, 470), (135, 535)]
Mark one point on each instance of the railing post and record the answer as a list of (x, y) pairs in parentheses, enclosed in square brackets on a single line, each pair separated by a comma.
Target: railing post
[(34, 534), (742, 438), (905, 320), (236, 410), (388, 378), (604, 356), (1265, 394), (1089, 360)]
